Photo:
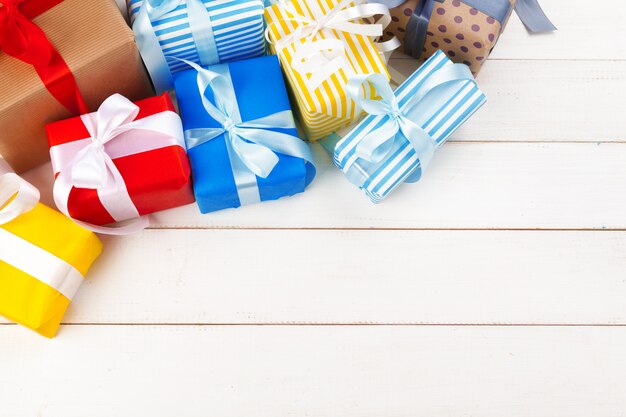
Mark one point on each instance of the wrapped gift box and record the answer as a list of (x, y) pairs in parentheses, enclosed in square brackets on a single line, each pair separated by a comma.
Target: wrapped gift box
[(43, 257), (324, 108), (434, 101), (260, 92), (95, 42), (230, 30), (466, 30), (156, 177)]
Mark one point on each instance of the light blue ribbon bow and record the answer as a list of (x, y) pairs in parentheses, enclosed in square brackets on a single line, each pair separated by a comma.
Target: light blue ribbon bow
[(396, 124), (148, 42), (529, 11), (251, 145)]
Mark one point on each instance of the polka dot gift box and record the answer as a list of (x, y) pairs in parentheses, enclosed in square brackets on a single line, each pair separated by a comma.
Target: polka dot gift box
[(466, 30)]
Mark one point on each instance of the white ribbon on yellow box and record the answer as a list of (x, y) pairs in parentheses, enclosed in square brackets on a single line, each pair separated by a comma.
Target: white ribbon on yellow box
[(321, 44)]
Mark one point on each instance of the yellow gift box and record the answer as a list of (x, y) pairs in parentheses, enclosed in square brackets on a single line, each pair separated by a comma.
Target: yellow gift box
[(324, 108), (54, 242)]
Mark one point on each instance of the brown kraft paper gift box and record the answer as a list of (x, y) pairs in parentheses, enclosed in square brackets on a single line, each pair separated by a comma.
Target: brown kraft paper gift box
[(99, 48), (464, 33)]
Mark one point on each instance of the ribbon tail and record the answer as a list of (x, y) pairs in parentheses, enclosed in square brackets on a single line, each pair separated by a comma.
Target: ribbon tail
[(245, 180), (375, 146), (278, 142), (424, 145), (258, 158), (61, 191), (533, 17), (113, 196)]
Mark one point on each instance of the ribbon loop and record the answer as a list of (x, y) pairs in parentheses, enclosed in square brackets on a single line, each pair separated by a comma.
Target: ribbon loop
[(17, 196)]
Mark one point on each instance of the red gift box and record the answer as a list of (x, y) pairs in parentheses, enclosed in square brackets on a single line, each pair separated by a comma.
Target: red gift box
[(156, 180)]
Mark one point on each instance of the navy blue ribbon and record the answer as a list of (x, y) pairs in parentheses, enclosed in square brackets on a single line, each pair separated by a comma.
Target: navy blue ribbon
[(529, 12)]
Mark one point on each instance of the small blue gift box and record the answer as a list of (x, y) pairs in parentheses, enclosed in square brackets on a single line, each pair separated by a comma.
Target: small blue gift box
[(397, 139), (206, 32), (241, 137)]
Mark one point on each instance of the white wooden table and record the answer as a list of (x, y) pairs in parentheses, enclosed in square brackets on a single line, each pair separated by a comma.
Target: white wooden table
[(494, 287)]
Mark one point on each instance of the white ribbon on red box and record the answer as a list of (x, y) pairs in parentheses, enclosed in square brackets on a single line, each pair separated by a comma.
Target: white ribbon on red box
[(88, 163)]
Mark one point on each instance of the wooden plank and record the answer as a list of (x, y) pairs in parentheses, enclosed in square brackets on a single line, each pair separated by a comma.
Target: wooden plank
[(468, 185), (314, 371), (545, 101), (335, 277)]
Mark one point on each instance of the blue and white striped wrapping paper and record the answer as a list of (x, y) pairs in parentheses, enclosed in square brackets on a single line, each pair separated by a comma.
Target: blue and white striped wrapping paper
[(238, 28), (439, 115)]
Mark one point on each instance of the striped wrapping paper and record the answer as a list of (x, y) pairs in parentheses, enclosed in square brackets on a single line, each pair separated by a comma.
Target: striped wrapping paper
[(327, 108), (237, 25), (439, 115)]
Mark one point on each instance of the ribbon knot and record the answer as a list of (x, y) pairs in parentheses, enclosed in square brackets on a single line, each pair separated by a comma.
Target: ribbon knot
[(90, 170), (229, 125), (97, 144)]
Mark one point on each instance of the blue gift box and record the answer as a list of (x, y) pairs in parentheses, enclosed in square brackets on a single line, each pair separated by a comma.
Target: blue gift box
[(436, 100), (229, 30), (260, 92)]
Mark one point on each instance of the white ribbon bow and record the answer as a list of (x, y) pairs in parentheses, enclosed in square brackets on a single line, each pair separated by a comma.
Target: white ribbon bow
[(89, 163), (317, 60)]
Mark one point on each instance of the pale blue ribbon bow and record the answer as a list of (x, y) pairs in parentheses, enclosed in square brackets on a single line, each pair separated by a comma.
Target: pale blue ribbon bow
[(396, 124), (148, 42), (251, 146)]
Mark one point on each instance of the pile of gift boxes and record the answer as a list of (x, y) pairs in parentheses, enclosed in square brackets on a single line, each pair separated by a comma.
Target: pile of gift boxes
[(213, 102)]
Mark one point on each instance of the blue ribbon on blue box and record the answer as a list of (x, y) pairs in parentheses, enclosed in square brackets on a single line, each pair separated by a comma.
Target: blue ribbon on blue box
[(240, 133), (529, 11), (403, 129)]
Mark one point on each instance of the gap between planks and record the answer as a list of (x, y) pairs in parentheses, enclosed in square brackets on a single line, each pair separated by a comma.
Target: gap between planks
[(387, 229), (364, 324)]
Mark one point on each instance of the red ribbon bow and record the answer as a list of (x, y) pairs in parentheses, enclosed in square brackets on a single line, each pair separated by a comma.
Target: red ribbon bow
[(24, 40)]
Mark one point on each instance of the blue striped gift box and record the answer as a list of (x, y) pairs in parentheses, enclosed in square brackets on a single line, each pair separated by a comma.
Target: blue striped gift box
[(238, 27), (439, 115)]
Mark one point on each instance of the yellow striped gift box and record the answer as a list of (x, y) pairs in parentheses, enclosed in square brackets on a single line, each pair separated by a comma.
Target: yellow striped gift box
[(327, 107)]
